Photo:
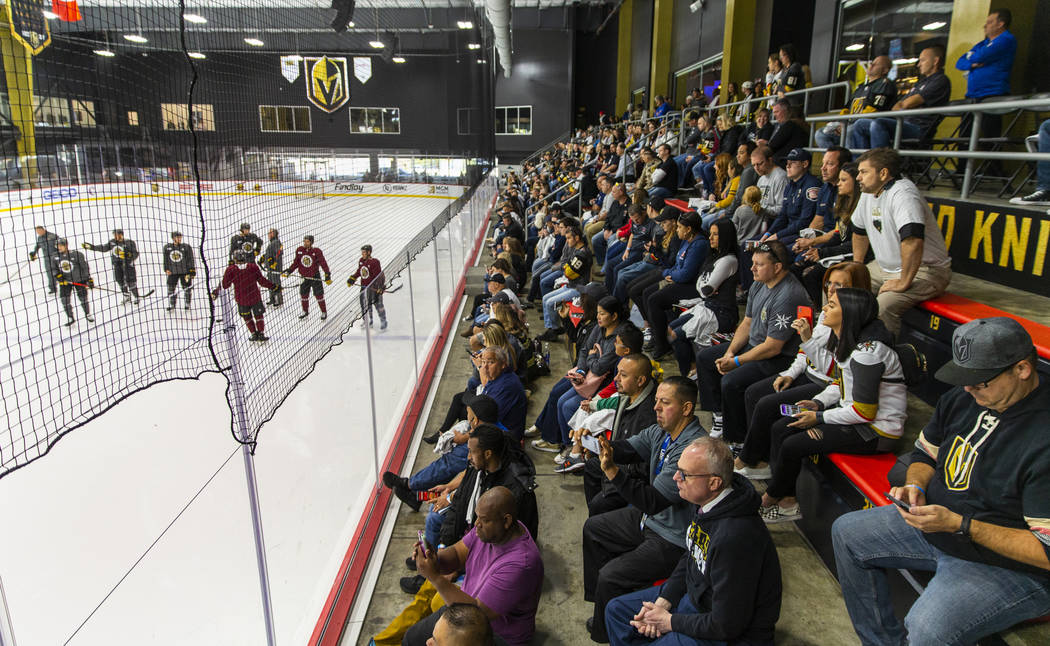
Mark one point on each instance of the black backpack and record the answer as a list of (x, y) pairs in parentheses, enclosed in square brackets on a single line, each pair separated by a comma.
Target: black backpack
[(913, 364)]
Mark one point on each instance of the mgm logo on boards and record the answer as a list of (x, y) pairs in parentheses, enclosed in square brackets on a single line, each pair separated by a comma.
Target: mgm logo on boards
[(327, 82)]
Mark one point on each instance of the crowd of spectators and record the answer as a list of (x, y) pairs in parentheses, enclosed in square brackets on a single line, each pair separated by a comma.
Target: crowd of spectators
[(775, 288)]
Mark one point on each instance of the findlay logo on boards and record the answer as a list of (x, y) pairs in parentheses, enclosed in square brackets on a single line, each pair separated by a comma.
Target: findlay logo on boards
[(327, 83), (350, 188)]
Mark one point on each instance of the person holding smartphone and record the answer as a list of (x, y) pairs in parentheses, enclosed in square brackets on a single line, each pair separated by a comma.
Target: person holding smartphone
[(810, 373), (861, 411), (979, 490)]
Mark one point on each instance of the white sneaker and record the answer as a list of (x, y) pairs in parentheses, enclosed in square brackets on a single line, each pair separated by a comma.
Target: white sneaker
[(544, 445), (563, 457), (532, 432), (755, 473), (716, 425), (774, 514)]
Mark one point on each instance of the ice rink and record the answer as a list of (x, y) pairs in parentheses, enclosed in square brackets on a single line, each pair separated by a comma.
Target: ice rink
[(135, 528)]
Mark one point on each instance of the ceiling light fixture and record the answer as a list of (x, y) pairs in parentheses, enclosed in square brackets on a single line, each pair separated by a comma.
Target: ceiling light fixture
[(905, 61), (398, 59), (464, 24), (197, 55), (135, 38), (855, 47), (254, 42), (933, 26), (350, 24), (481, 61), (376, 44), (473, 45), (105, 52), (194, 18)]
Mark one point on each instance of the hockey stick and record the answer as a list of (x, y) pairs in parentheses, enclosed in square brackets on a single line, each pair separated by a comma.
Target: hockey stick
[(108, 289), (12, 277)]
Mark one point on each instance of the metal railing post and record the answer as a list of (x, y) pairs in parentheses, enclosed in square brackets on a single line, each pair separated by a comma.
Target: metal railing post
[(365, 316), (437, 272), (897, 133), (971, 163), (240, 414), (412, 314)]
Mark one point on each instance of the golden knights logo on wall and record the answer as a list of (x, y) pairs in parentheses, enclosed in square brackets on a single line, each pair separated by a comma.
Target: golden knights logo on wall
[(327, 82)]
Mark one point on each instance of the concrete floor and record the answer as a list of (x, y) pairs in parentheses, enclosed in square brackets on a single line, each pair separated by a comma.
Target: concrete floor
[(812, 612)]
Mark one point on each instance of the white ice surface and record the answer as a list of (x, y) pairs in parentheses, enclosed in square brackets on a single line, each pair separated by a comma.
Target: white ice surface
[(79, 518)]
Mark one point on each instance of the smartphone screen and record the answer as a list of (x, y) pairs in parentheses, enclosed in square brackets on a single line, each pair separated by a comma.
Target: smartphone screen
[(590, 443), (897, 501), (806, 312), (790, 409)]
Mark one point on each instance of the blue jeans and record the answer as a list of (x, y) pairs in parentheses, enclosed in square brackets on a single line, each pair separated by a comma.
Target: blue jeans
[(685, 168), (659, 191), (614, 261), (548, 278), (539, 266), (547, 422), (711, 217), (625, 274), (598, 245), (1042, 169), (622, 609), (550, 303), (962, 603), (827, 141), (440, 471), (878, 132), (706, 171), (432, 528)]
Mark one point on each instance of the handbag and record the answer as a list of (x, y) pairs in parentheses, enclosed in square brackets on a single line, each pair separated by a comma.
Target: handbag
[(590, 385)]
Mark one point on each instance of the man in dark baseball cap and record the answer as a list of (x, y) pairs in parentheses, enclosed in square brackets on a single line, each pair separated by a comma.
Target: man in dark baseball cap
[(975, 509), (984, 349)]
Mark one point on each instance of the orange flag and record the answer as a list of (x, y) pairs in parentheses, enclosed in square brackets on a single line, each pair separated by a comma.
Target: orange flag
[(66, 10)]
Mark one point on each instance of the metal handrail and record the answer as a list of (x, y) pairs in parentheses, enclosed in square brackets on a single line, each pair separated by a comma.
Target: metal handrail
[(542, 149), (972, 153), (550, 195)]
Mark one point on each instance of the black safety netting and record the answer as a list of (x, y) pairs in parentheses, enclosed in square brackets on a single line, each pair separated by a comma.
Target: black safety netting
[(144, 140)]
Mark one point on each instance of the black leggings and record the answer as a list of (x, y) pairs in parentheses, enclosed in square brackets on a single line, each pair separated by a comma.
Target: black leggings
[(660, 304), (763, 410), (638, 289), (790, 446), (66, 291)]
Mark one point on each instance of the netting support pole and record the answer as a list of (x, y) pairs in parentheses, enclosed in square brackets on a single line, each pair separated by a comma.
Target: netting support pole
[(412, 312), (437, 271), (451, 260), (366, 317), (7, 631), (241, 415)]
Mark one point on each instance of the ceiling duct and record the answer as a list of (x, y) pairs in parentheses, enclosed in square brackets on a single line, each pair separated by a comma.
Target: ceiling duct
[(498, 14)]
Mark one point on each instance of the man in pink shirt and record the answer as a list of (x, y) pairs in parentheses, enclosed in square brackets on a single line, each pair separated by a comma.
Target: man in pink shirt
[(504, 572)]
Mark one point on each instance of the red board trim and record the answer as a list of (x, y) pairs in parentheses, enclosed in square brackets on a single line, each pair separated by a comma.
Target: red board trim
[(336, 610)]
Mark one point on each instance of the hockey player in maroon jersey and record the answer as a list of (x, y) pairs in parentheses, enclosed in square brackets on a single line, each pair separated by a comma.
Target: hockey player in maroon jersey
[(309, 261), (246, 277), (372, 285)]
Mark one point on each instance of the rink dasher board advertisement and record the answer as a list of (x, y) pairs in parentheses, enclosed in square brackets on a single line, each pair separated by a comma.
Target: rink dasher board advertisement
[(218, 189)]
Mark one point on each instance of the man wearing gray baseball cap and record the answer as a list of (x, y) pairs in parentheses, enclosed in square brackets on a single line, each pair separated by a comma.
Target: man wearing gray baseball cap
[(975, 509)]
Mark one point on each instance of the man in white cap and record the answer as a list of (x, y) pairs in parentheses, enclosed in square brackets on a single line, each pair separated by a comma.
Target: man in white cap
[(975, 509)]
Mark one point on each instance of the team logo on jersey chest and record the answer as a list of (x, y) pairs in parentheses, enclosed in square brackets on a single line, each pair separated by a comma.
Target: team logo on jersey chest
[(959, 464), (175, 255), (364, 271), (876, 218), (65, 266), (306, 261), (699, 545), (246, 246)]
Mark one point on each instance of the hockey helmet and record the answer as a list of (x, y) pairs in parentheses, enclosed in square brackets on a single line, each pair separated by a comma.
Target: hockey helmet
[(245, 226), (176, 234), (240, 257), (367, 248), (309, 237), (62, 241), (118, 232)]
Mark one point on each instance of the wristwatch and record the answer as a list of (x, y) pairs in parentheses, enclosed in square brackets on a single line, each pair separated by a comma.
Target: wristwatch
[(964, 526)]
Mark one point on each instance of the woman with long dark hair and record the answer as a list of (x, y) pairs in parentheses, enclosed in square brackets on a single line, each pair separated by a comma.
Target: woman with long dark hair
[(810, 373), (593, 369), (717, 283), (862, 411)]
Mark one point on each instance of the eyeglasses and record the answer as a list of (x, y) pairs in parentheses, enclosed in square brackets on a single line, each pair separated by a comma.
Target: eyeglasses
[(685, 476)]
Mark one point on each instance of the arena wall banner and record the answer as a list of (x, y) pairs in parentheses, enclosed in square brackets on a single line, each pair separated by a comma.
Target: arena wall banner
[(1005, 245)]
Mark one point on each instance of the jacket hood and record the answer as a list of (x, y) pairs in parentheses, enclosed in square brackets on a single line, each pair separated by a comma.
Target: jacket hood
[(742, 501)]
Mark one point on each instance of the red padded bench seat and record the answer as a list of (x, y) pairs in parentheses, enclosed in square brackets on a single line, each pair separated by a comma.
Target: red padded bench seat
[(681, 205), (963, 310), (868, 473)]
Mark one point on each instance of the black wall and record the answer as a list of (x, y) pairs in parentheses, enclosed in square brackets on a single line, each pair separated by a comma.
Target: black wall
[(641, 45), (793, 23), (697, 36), (594, 87), (427, 90), (541, 76)]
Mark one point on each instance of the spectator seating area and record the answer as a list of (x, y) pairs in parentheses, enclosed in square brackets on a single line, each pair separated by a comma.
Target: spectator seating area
[(702, 277)]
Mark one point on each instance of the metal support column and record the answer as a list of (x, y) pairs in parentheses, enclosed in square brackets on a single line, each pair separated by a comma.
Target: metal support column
[(412, 313), (241, 421)]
